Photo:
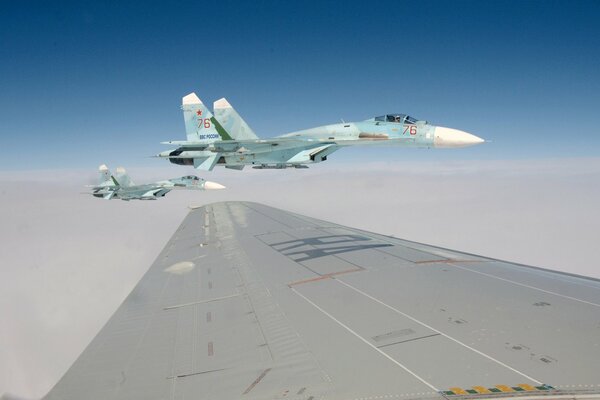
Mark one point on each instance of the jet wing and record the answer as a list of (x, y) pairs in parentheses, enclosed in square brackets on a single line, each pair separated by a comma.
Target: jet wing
[(256, 146), (251, 302)]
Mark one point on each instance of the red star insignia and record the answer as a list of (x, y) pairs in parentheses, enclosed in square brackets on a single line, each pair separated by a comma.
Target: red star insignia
[(199, 112)]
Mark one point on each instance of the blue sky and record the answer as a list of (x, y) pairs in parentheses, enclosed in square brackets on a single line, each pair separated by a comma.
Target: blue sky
[(83, 83)]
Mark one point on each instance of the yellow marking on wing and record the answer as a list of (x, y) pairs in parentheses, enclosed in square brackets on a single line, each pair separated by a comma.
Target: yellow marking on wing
[(458, 390), (526, 386), (481, 389)]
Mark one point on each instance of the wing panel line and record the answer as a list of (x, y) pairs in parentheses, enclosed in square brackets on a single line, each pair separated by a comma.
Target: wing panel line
[(365, 340), (438, 331), (406, 242), (524, 285), (277, 220)]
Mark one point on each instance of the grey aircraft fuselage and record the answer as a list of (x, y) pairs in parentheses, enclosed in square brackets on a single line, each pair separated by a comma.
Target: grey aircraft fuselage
[(120, 186), (225, 139), (137, 192)]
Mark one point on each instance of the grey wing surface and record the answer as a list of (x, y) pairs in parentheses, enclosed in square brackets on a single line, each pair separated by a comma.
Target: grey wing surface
[(251, 302)]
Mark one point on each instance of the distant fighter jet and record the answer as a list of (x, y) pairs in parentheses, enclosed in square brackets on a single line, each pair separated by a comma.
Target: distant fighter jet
[(120, 186), (226, 139)]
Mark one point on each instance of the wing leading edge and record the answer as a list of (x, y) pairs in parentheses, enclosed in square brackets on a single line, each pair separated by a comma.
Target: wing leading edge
[(251, 302)]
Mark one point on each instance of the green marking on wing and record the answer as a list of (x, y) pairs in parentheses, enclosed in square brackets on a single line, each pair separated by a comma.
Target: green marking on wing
[(220, 130)]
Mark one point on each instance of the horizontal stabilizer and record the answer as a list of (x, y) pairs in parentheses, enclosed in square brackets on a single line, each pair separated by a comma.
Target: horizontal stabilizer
[(206, 163)]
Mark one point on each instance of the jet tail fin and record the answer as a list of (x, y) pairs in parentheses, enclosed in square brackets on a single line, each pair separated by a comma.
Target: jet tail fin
[(121, 178), (200, 125), (103, 174), (232, 122)]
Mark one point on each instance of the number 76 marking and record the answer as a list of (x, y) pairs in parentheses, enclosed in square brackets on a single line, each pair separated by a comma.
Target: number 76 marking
[(410, 129), (204, 122)]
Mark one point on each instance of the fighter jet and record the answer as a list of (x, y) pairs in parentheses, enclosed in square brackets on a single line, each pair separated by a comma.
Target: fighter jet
[(226, 139), (120, 186)]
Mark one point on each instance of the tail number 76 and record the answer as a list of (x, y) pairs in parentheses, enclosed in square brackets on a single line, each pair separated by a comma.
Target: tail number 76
[(204, 122)]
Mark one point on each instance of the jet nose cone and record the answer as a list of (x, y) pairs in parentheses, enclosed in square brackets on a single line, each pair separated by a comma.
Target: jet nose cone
[(208, 185), (448, 137)]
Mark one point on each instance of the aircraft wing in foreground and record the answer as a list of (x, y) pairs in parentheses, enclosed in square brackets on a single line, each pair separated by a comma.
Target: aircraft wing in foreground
[(226, 139), (120, 186), (252, 302)]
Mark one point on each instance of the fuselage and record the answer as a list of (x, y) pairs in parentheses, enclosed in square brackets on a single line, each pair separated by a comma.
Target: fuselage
[(382, 131), (296, 149), (137, 192), (152, 191)]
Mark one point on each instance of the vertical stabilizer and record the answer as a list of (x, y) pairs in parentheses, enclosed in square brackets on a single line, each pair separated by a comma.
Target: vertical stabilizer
[(103, 174), (122, 177), (200, 125), (232, 122)]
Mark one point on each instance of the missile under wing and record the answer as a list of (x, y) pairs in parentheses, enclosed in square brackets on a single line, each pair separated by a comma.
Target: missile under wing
[(252, 302)]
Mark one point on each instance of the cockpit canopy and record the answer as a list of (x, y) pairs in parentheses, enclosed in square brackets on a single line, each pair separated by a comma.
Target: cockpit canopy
[(190, 178), (398, 118)]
